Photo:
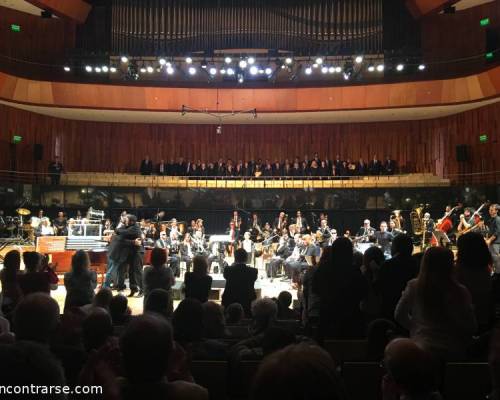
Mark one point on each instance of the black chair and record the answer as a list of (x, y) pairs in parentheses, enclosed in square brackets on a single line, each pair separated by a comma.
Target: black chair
[(212, 375), (466, 381), (346, 350), (363, 380)]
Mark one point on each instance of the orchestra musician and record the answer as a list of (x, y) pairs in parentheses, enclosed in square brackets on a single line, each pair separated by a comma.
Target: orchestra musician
[(428, 223), (301, 223), (393, 229), (255, 229), (280, 222), (44, 228), (60, 225), (173, 246), (234, 234), (366, 232), (384, 238), (493, 240), (237, 220), (199, 226), (249, 246), (324, 234), (199, 244), (467, 220), (284, 250), (174, 229), (186, 252), (35, 221), (162, 241)]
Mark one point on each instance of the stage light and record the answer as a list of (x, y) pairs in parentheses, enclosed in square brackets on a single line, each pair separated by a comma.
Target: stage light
[(324, 70), (251, 60), (331, 70), (192, 70), (105, 68), (97, 69), (223, 71), (338, 70), (243, 64), (162, 61), (268, 71), (421, 67), (319, 61), (308, 71), (150, 69), (228, 60), (261, 71), (346, 76), (170, 70), (400, 67), (380, 67), (212, 71), (113, 70), (254, 70), (371, 68), (124, 59), (230, 71), (283, 66), (143, 70), (240, 78), (288, 60), (358, 59), (67, 69), (168, 64), (189, 60), (88, 68), (315, 65)]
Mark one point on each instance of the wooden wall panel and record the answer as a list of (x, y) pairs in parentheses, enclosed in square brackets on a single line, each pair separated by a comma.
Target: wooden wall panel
[(77, 10), (419, 146)]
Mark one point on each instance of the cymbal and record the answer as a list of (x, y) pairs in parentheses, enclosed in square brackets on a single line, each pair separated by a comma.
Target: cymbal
[(23, 211)]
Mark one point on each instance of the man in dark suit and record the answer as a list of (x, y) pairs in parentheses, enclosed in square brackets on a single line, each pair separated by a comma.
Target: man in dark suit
[(301, 223), (375, 166), (240, 280), (161, 169), (55, 171), (146, 166), (389, 166)]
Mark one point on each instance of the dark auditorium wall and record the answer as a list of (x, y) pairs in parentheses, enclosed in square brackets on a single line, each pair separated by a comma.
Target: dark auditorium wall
[(419, 146)]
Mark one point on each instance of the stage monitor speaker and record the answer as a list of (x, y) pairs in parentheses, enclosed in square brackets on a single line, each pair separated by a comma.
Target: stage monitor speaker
[(462, 153), (38, 152)]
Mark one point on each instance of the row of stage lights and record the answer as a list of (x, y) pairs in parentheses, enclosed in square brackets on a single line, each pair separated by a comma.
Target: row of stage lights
[(248, 64)]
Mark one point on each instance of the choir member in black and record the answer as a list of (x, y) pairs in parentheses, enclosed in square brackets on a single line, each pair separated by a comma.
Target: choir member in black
[(366, 232), (186, 251), (314, 169), (193, 171), (238, 171), (306, 160), (146, 166), (280, 222), (268, 169), (306, 171), (128, 249), (230, 169), (211, 170), (337, 163), (161, 168), (493, 240), (323, 169), (203, 170), (389, 166), (55, 171), (277, 168), (384, 238), (300, 223), (316, 158), (375, 166), (296, 170), (170, 167), (220, 168), (362, 168), (60, 225), (247, 169)]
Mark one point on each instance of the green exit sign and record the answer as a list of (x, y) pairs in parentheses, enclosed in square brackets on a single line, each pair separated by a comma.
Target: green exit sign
[(483, 138), (15, 28), (484, 22), (16, 139), (489, 55)]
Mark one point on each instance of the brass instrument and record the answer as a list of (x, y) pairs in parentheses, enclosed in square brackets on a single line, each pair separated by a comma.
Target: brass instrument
[(416, 219)]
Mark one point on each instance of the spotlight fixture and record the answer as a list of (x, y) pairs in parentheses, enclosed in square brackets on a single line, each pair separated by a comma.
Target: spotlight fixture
[(223, 71), (143, 70), (261, 71), (254, 70), (400, 67), (308, 71), (240, 78), (421, 67), (331, 70), (268, 71), (67, 69), (189, 60), (371, 68), (251, 60), (288, 60), (204, 64), (124, 59), (192, 70), (97, 69), (168, 64), (243, 64), (112, 70), (88, 68), (162, 61), (324, 70), (346, 76), (315, 65), (319, 61), (338, 70), (150, 69), (230, 71), (105, 68), (358, 59), (228, 60), (170, 70), (380, 67), (212, 71)]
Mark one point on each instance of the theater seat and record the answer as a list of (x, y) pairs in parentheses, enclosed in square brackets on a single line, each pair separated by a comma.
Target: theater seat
[(466, 381), (241, 378), (363, 380), (346, 350), (212, 375)]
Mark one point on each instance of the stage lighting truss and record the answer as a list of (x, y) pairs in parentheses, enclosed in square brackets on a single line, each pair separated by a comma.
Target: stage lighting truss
[(219, 117)]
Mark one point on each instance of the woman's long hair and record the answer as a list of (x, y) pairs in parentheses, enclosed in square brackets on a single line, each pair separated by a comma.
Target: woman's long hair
[(11, 265), (436, 282), (80, 262), (200, 265), (473, 252)]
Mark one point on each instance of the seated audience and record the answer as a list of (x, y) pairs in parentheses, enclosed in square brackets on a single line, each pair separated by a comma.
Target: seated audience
[(159, 301), (340, 288), (97, 328), (299, 371), (410, 372), (474, 265), (260, 346), (119, 310), (197, 284), (80, 282), (34, 278), (157, 275), (102, 299), (436, 309), (379, 333), (264, 313), (234, 314), (284, 310), (372, 260), (11, 291), (147, 348), (214, 324), (240, 280)]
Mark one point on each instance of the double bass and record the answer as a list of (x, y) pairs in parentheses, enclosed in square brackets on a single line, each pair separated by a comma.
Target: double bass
[(445, 224)]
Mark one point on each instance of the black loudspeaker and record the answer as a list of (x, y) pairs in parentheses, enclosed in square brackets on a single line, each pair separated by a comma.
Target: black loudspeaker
[(38, 151), (462, 153), (492, 39)]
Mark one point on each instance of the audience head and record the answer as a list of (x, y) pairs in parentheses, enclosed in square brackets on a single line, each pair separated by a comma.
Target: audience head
[(264, 313), (103, 298), (118, 308), (36, 318), (200, 265), (276, 338), (373, 257), (97, 327), (409, 367), (285, 299), (341, 255), (402, 245), (12, 263), (214, 324), (80, 262), (234, 313), (240, 256), (158, 257), (32, 261), (473, 252), (357, 260), (297, 372), (146, 346), (188, 321), (158, 301), (131, 219)]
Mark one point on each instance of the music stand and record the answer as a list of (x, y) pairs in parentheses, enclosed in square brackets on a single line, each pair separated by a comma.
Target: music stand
[(441, 237)]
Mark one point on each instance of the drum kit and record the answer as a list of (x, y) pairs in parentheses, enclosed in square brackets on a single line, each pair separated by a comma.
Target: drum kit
[(17, 227)]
